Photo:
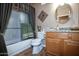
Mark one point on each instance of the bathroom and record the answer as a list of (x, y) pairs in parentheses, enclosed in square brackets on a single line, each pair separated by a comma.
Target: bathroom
[(43, 22)]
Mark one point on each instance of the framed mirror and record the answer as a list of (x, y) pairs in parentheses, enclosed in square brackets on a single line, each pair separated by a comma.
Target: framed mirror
[(63, 13)]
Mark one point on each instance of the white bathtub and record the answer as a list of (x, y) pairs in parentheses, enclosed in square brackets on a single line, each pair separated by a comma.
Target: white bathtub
[(18, 47)]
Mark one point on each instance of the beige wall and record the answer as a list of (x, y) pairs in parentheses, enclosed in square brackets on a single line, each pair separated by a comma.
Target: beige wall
[(50, 21)]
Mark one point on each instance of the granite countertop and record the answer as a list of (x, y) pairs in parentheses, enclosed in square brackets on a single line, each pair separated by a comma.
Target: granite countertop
[(63, 30)]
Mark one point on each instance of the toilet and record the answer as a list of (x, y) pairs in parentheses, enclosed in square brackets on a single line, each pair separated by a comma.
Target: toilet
[(37, 43)]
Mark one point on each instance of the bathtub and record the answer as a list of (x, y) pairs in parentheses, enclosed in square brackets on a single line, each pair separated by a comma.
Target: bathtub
[(18, 47)]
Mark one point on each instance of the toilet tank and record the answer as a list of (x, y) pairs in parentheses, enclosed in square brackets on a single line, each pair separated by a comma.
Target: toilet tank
[(40, 35)]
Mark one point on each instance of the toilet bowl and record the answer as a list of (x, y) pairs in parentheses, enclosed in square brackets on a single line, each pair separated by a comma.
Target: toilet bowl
[(37, 43)]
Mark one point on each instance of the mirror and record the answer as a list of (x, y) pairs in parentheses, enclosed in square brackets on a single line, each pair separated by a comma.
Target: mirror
[(63, 13)]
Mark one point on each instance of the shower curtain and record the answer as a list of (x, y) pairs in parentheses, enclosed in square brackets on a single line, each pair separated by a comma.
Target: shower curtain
[(5, 11)]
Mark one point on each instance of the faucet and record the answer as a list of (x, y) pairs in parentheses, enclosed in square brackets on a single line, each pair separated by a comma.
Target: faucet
[(57, 27)]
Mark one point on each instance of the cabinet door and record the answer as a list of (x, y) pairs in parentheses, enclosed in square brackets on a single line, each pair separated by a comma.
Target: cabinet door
[(71, 48), (75, 36), (53, 46)]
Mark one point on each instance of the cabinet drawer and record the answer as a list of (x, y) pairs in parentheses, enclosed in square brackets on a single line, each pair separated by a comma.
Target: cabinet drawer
[(52, 41), (57, 35), (51, 35)]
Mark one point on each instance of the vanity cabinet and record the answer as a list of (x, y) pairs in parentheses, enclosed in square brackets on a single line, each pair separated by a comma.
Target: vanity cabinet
[(60, 43)]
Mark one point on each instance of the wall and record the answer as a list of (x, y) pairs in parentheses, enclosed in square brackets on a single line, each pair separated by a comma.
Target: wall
[(50, 21), (18, 47)]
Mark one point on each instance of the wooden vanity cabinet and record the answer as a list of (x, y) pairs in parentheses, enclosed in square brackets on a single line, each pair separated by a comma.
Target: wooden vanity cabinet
[(60, 43)]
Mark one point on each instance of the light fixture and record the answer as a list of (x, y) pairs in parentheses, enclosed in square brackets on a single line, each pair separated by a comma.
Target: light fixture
[(43, 3)]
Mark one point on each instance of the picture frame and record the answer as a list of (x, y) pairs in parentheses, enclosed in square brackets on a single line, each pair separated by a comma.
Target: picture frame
[(42, 16)]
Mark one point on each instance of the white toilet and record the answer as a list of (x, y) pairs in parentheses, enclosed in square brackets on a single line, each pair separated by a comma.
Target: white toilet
[(37, 43)]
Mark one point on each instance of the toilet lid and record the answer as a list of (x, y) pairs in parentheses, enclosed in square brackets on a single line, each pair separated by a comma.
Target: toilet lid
[(36, 41)]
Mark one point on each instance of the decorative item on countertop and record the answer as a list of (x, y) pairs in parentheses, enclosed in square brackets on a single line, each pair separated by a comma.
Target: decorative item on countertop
[(39, 28)]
